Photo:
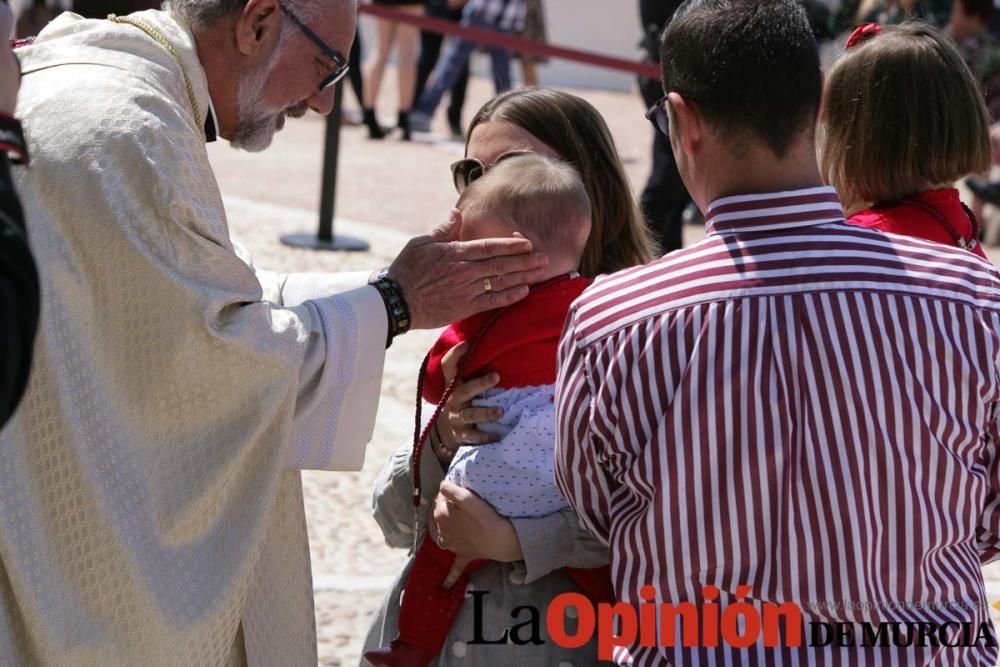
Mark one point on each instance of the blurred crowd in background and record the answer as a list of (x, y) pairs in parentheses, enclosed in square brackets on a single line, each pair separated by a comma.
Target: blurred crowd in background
[(973, 24), (431, 67)]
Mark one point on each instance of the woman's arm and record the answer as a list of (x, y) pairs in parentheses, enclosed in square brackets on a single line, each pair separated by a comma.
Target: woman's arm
[(470, 527), (392, 496), (556, 541)]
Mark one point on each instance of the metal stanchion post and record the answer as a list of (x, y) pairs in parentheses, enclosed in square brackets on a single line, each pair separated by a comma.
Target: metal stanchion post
[(325, 239)]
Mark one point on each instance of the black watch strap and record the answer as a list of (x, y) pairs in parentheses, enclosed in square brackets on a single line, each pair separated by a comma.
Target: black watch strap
[(395, 304)]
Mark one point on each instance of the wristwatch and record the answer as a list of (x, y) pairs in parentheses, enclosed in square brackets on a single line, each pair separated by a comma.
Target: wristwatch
[(395, 304)]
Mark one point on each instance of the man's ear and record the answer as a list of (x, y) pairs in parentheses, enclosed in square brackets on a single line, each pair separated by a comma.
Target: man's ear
[(686, 124), (258, 25)]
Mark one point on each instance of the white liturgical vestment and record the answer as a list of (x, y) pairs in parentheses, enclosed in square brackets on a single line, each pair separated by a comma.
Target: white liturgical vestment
[(150, 502)]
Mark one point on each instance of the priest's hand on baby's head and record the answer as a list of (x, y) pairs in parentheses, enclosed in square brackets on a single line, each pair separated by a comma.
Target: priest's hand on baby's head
[(444, 280)]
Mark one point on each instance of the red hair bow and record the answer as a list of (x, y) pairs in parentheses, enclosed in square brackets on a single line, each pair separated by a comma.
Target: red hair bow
[(863, 33)]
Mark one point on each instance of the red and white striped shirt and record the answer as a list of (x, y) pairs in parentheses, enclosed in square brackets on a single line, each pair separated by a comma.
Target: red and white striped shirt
[(797, 405)]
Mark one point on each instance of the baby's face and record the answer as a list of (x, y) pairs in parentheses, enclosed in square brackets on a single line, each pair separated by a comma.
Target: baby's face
[(484, 226)]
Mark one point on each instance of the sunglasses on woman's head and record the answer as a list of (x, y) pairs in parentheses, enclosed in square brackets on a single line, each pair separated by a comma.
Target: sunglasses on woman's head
[(467, 170)]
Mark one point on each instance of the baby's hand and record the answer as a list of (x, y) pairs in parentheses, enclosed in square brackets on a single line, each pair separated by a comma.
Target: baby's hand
[(457, 425)]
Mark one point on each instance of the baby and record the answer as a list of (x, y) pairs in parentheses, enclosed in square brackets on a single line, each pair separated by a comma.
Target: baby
[(546, 202)]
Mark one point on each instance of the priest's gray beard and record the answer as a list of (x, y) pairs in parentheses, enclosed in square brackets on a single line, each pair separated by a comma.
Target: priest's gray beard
[(257, 121)]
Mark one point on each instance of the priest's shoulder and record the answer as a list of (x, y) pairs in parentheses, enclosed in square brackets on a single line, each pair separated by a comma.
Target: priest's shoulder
[(96, 76), (73, 109)]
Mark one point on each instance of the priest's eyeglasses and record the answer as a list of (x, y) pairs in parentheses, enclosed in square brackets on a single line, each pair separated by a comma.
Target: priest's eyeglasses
[(339, 62)]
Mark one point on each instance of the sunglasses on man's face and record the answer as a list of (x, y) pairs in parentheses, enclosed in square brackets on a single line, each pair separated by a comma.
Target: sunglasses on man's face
[(467, 170), (657, 115)]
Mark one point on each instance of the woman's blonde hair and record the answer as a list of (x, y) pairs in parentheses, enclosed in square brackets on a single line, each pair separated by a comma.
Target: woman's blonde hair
[(902, 113), (573, 128)]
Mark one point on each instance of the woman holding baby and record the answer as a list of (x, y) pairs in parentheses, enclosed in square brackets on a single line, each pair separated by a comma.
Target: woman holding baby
[(528, 546)]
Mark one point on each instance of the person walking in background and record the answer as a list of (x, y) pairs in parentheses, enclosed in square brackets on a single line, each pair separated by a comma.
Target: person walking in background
[(969, 27), (357, 80), (979, 48), (534, 29), (504, 16), (405, 38), (794, 409), (664, 199), (19, 288), (430, 51)]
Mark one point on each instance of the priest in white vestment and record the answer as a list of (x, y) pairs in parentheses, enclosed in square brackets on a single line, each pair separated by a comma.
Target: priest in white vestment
[(150, 502)]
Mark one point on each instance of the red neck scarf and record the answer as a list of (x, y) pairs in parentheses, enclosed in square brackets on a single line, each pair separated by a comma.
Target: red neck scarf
[(935, 215), (520, 344)]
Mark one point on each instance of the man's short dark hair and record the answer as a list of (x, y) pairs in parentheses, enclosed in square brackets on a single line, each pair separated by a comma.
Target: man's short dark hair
[(750, 67)]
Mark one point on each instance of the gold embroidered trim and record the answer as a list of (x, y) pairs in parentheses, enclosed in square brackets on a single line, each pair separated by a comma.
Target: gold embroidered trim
[(158, 37)]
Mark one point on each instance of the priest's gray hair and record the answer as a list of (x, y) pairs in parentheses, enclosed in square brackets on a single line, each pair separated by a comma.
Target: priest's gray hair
[(202, 14)]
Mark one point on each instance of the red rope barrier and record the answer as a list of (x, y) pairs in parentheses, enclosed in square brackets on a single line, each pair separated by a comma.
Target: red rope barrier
[(494, 38)]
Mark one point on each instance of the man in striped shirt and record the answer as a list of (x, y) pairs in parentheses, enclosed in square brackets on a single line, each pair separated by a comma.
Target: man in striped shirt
[(791, 411)]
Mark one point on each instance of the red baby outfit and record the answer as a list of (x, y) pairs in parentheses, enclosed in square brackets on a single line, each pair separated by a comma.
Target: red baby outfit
[(520, 344)]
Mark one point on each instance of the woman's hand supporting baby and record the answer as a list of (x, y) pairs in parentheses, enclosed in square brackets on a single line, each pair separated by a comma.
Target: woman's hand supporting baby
[(467, 525)]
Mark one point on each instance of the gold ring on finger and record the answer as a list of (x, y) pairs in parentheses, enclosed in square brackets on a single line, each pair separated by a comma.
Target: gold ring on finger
[(487, 285)]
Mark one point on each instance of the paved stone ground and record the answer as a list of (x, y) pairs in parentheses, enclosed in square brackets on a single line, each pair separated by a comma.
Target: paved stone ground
[(397, 190)]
